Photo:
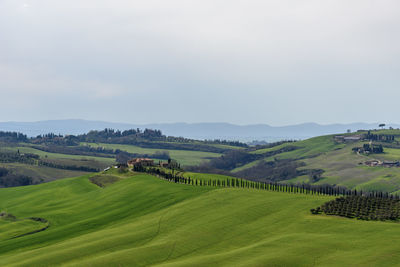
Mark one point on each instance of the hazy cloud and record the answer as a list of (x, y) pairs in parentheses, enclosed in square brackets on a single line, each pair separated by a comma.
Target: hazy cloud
[(278, 62)]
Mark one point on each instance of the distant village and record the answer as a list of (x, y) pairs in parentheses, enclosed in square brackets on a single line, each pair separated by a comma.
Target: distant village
[(146, 162), (370, 148), (369, 136)]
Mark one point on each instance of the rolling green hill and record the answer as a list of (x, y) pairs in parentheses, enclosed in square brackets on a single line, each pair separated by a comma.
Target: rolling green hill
[(33, 160), (185, 157), (340, 165), (40, 173), (100, 161), (141, 220)]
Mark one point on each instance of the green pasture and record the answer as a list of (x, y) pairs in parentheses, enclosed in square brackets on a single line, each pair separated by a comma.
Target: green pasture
[(246, 166), (45, 174), (10, 229), (311, 147), (40, 173), (306, 148), (344, 167), (223, 146), (274, 148), (390, 154), (226, 146), (184, 157), (341, 165), (142, 221), (43, 154), (207, 176)]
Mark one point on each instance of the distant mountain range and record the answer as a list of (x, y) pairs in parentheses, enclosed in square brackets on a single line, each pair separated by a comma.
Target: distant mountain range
[(246, 133)]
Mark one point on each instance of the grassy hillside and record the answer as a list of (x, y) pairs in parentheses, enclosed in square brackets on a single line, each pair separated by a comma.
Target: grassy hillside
[(59, 159), (58, 156), (306, 148), (15, 228), (340, 164), (184, 157), (40, 173), (142, 220), (343, 167), (206, 176)]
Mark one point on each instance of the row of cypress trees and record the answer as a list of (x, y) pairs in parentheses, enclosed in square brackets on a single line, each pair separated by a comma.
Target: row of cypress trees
[(270, 186)]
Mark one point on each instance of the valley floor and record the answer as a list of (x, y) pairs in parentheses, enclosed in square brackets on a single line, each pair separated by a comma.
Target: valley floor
[(144, 221)]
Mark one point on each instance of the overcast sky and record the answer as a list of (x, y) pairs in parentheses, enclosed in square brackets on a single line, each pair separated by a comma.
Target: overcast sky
[(270, 61)]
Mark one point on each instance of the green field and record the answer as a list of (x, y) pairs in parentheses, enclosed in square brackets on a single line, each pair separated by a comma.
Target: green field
[(40, 173), (184, 157), (45, 174), (226, 146), (14, 229), (207, 176), (58, 156), (246, 166), (307, 148), (343, 167), (142, 220), (340, 164)]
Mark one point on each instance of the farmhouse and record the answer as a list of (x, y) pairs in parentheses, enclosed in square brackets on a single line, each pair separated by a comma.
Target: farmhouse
[(368, 149), (343, 138), (373, 163), (389, 164), (141, 162), (164, 164), (171, 164), (352, 138)]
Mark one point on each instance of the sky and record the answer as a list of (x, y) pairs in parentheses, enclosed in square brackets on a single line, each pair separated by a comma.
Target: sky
[(277, 62)]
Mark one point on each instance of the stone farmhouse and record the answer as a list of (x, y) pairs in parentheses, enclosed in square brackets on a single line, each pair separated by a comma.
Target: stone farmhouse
[(140, 162)]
